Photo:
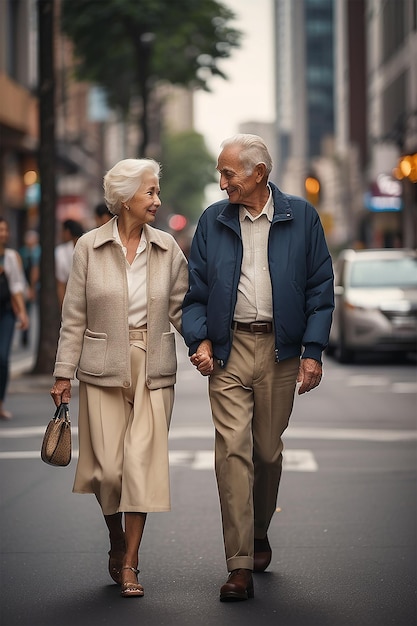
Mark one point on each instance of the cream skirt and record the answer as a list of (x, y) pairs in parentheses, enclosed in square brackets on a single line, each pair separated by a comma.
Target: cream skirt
[(123, 441)]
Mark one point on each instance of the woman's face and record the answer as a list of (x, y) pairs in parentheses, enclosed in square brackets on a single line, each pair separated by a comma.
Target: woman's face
[(146, 202)]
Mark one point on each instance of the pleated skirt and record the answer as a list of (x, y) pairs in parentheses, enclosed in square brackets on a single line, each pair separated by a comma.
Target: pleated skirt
[(123, 441)]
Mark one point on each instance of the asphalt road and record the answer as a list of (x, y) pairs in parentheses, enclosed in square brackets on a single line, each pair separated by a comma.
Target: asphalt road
[(343, 537)]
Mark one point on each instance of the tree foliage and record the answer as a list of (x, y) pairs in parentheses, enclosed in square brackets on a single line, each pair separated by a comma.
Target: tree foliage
[(188, 168), (128, 46)]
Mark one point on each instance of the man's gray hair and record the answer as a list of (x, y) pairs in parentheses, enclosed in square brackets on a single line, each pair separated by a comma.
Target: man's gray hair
[(124, 179), (254, 151)]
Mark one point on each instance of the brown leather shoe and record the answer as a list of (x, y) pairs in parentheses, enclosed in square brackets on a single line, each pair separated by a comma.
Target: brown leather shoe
[(239, 586), (262, 555)]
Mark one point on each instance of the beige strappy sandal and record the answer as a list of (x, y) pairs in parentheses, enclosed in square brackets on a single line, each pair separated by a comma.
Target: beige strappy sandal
[(131, 590)]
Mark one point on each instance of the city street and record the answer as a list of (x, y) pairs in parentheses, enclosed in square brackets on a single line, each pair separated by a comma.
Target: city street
[(343, 536)]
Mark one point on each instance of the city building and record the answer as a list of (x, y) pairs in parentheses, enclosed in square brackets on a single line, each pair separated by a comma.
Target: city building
[(306, 100), (19, 127), (346, 94), (391, 194)]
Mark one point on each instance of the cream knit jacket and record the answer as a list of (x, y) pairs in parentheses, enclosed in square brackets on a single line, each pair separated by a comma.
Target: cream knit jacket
[(94, 335)]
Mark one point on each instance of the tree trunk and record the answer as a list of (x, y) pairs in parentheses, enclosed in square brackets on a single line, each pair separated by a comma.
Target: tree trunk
[(144, 139), (143, 47), (48, 302)]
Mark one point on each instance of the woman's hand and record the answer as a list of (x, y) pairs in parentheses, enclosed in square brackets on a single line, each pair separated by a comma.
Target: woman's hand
[(203, 358), (23, 320), (61, 391)]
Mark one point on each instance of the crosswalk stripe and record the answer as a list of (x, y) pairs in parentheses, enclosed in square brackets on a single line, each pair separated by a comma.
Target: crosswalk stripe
[(293, 460), (297, 432)]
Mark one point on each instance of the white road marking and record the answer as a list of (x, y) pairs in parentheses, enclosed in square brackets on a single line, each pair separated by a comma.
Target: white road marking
[(299, 461), (29, 431), (367, 381), (404, 387), (293, 460), (351, 434), (24, 454), (296, 432)]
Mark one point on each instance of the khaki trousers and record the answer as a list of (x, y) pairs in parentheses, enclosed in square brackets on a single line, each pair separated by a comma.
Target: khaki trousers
[(251, 402)]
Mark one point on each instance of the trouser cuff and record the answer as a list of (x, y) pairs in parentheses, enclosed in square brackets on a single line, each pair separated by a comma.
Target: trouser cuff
[(238, 562)]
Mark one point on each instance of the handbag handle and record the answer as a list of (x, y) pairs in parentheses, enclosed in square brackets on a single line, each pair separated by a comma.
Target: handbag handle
[(62, 411)]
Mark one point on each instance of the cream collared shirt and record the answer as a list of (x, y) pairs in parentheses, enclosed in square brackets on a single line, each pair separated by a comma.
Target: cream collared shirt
[(136, 281), (254, 294)]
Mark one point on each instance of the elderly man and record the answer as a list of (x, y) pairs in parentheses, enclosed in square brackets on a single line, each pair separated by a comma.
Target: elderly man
[(260, 297)]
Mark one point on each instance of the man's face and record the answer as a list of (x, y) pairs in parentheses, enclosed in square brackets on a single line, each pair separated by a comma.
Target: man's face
[(234, 179)]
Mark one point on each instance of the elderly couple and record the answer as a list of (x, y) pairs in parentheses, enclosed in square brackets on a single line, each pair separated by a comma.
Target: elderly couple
[(254, 307)]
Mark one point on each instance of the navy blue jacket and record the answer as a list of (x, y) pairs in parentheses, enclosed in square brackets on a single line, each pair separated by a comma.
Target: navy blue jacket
[(301, 275)]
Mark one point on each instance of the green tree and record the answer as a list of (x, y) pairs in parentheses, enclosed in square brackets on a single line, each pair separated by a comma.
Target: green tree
[(188, 168), (129, 46)]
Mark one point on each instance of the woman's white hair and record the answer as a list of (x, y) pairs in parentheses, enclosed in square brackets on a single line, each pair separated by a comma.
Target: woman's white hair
[(124, 179), (254, 151)]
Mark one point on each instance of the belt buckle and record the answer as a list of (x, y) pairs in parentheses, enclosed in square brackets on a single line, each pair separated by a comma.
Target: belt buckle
[(258, 327)]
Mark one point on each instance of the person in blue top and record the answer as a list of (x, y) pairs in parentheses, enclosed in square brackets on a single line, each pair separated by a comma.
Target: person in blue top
[(256, 319)]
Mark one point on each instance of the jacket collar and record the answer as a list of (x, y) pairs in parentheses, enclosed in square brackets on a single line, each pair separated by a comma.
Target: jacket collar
[(104, 234), (282, 208)]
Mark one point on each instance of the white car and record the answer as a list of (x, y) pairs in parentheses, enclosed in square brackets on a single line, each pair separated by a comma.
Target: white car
[(376, 302)]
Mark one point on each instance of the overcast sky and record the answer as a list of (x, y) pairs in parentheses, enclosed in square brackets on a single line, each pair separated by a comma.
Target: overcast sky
[(249, 93)]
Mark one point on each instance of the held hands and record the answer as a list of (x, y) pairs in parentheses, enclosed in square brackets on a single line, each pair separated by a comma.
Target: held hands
[(61, 391), (203, 358), (309, 375)]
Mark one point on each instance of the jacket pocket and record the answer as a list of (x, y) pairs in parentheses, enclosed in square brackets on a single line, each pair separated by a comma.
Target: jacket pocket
[(93, 355), (292, 317), (168, 358)]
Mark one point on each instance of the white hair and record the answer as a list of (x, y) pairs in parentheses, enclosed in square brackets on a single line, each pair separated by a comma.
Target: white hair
[(124, 179), (254, 151)]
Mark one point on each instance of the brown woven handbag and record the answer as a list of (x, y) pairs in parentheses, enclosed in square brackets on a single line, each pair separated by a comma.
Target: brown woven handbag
[(56, 444)]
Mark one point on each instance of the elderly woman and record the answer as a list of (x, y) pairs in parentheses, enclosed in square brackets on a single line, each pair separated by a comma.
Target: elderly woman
[(127, 284)]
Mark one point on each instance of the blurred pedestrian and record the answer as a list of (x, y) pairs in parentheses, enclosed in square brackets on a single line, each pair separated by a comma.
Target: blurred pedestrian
[(12, 307), (260, 296), (71, 232), (102, 214), (126, 287), (30, 254)]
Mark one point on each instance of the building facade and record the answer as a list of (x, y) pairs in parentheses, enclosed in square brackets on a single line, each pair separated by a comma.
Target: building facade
[(391, 207), (346, 74)]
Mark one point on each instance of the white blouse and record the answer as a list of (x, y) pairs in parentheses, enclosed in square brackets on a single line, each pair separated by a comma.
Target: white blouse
[(136, 281), (14, 271)]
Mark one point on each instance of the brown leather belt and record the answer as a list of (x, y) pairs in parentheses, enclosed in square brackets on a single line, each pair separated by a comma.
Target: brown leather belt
[(253, 327)]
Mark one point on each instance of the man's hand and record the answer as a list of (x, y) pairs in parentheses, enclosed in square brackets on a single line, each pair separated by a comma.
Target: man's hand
[(203, 358), (309, 375)]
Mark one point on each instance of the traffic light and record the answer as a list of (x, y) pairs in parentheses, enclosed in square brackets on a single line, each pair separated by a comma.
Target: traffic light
[(407, 168), (312, 189)]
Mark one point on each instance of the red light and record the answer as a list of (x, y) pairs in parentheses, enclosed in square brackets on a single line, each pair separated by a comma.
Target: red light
[(177, 222)]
